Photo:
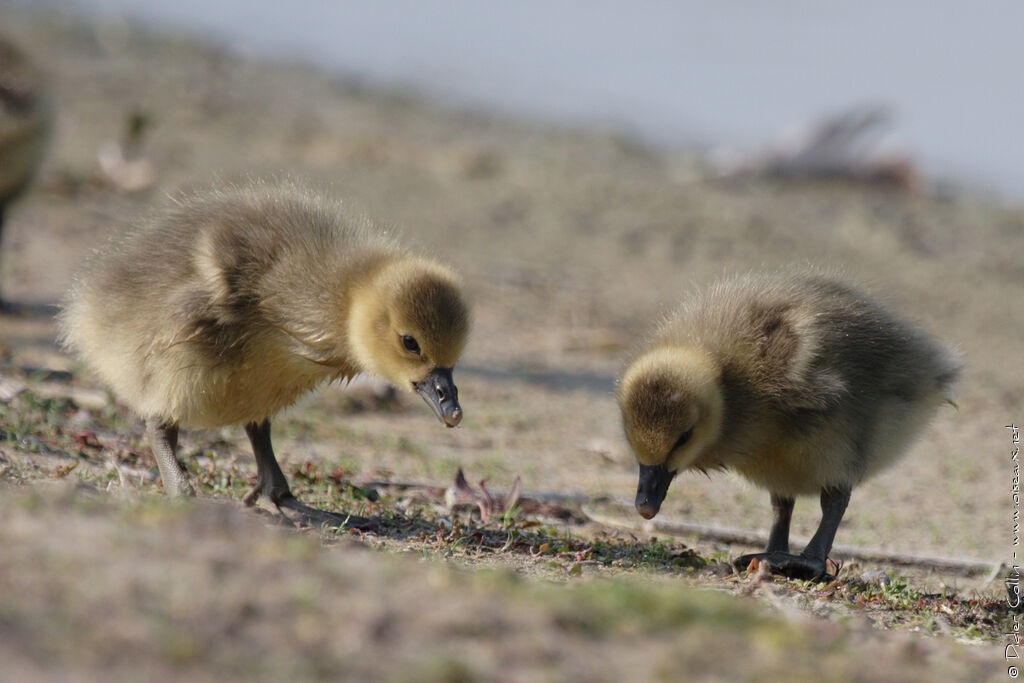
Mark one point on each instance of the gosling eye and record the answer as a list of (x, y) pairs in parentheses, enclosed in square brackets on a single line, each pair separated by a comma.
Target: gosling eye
[(410, 344), (683, 438)]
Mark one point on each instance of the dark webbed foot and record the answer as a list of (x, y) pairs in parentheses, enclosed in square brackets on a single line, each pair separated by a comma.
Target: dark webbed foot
[(272, 485), (812, 563), (784, 564)]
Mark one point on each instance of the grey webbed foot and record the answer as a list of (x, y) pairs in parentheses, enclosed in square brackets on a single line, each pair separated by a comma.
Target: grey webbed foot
[(785, 564)]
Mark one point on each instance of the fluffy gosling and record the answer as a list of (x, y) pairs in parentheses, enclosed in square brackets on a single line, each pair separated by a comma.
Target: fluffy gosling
[(798, 382), (232, 304)]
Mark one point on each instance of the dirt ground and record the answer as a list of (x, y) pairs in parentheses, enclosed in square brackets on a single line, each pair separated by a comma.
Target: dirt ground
[(572, 244)]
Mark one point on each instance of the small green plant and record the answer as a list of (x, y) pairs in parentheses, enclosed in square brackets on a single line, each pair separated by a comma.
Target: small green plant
[(509, 516)]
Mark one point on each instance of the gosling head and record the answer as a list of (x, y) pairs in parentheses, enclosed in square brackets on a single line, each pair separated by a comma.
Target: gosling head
[(409, 326), (671, 402)]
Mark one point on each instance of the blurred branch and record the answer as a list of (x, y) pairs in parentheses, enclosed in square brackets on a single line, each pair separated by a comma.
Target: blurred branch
[(847, 145)]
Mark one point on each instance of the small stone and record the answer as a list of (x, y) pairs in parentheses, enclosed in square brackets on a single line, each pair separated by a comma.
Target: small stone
[(10, 388), (875, 576)]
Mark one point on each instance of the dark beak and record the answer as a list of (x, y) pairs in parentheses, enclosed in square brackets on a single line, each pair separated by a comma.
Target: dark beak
[(441, 394), (652, 488)]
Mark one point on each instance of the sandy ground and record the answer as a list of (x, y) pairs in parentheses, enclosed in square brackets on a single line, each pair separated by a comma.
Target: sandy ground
[(207, 592), (572, 244)]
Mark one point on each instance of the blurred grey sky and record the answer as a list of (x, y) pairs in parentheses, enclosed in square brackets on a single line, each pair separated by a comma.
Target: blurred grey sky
[(727, 73)]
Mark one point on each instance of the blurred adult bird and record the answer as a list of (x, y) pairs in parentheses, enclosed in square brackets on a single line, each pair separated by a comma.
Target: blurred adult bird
[(26, 117)]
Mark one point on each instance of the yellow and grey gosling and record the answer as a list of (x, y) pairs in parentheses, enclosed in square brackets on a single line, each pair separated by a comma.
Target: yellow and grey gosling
[(231, 304), (25, 121), (798, 382)]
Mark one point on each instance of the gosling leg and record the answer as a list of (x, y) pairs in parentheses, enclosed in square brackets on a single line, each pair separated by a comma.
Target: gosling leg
[(812, 563), (271, 482), (782, 510), (833, 507), (778, 538), (164, 438)]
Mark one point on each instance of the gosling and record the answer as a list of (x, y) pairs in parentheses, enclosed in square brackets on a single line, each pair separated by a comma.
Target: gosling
[(797, 381), (232, 304), (25, 123)]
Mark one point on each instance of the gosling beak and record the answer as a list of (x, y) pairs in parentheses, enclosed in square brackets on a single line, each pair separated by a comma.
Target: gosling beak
[(439, 391), (651, 490)]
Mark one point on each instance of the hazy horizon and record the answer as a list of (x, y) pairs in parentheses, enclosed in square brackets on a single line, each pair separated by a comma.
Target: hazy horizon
[(705, 77)]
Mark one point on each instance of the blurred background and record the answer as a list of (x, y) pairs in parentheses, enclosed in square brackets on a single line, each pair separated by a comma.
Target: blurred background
[(707, 76)]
